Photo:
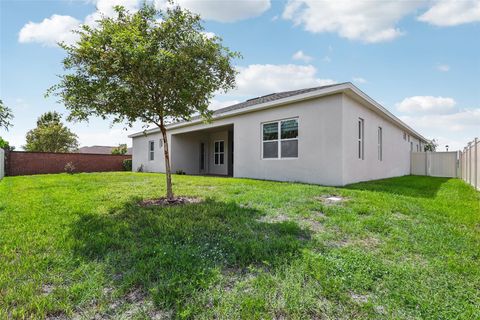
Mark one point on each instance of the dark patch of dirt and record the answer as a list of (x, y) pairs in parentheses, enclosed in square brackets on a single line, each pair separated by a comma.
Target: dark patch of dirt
[(165, 202)]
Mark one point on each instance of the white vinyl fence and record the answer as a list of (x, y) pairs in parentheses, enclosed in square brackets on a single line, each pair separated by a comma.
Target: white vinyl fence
[(2, 163), (470, 164), (435, 164)]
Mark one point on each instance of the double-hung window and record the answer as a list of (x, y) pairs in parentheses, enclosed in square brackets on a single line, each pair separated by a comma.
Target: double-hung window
[(280, 139), (380, 144), (219, 152), (361, 136), (151, 150)]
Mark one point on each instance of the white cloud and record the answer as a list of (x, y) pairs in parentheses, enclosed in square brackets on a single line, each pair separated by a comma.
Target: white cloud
[(59, 28), (426, 104), (50, 31), (457, 121), (221, 10), (443, 67), (368, 21), (452, 12), (106, 8), (260, 79), (454, 129), (359, 80), (300, 55)]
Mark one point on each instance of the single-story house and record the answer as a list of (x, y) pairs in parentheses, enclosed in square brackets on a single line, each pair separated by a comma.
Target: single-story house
[(329, 135)]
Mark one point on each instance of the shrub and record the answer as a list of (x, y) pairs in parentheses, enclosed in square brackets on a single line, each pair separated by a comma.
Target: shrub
[(70, 168), (127, 164), (180, 172)]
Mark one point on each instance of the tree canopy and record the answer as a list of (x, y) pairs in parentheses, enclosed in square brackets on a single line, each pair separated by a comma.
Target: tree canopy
[(5, 145), (150, 66), (121, 149), (6, 116), (431, 146), (51, 135)]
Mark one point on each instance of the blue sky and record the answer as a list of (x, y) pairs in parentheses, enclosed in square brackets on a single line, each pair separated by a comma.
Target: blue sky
[(420, 59)]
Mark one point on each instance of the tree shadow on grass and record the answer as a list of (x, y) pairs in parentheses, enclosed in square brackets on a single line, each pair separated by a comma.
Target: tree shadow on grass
[(173, 252), (409, 186)]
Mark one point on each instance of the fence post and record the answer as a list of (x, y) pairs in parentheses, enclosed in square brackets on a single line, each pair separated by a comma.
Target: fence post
[(427, 171), (469, 146), (476, 163), (461, 165)]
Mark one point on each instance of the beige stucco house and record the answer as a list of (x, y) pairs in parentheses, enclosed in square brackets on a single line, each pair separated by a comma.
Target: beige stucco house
[(330, 135)]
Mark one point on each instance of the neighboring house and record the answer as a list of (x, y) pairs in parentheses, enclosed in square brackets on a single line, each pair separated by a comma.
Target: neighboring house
[(100, 150), (330, 135)]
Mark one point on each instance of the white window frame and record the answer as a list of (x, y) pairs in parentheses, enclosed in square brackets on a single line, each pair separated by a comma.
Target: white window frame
[(279, 138), (218, 152), (380, 143), (151, 151), (361, 139)]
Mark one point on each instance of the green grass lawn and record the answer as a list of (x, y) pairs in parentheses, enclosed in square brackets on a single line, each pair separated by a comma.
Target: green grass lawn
[(80, 246)]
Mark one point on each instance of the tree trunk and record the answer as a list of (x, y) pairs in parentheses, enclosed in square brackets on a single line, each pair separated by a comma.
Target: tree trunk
[(167, 162)]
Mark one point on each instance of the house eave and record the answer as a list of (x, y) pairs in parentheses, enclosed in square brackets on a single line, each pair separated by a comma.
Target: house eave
[(346, 88)]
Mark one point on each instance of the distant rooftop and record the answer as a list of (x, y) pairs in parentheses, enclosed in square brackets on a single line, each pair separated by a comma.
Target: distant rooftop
[(100, 150)]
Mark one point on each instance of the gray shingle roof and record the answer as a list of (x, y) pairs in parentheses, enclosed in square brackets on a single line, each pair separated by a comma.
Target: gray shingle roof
[(269, 97)]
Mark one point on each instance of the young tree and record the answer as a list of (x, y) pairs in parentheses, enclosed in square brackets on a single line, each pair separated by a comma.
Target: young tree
[(5, 116), (150, 66), (5, 145), (431, 146), (51, 135), (121, 149)]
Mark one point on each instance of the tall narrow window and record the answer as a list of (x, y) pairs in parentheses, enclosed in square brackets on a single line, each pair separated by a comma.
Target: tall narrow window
[(270, 140), (151, 150), (289, 138), (280, 139), (380, 144), (361, 135), (202, 156), (219, 152)]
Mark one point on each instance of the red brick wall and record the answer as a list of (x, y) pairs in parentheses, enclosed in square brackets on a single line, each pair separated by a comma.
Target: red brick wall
[(27, 163)]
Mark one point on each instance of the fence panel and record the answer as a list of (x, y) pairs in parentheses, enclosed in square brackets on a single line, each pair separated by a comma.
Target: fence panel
[(470, 164), (419, 163), (442, 164), (436, 164), (2, 163)]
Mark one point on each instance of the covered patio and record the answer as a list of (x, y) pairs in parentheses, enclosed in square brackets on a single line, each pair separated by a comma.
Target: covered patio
[(204, 152)]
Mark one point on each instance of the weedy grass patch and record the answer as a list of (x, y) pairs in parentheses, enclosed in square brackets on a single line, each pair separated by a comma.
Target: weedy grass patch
[(80, 246)]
